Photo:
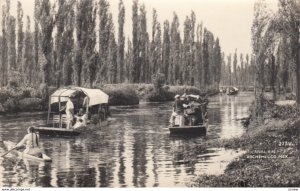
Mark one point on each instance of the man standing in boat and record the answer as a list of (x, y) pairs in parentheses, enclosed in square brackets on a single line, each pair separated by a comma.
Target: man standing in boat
[(85, 103), (31, 140), (177, 109), (70, 112)]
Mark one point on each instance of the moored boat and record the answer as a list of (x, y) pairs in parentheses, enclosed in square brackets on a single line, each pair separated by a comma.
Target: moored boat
[(96, 111), (9, 145)]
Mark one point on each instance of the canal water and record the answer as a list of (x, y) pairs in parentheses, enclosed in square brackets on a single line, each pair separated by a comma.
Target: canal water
[(134, 150)]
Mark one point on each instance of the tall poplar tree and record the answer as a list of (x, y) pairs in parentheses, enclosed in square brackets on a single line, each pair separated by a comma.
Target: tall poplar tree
[(205, 53), (104, 33), (121, 42), (242, 74), (11, 51), (4, 66), (218, 62), (186, 65), (235, 79), (143, 43), (68, 43), (20, 36), (85, 40), (36, 41), (28, 59), (175, 50), (166, 51), (135, 70), (229, 70), (46, 25)]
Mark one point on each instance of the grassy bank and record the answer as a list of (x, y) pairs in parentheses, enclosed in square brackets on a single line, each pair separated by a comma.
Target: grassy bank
[(272, 153)]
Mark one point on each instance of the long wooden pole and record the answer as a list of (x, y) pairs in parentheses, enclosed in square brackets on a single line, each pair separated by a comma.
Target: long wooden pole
[(8, 151), (59, 107), (49, 110)]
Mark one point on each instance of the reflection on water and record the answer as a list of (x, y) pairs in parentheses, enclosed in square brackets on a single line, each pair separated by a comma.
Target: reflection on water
[(135, 150)]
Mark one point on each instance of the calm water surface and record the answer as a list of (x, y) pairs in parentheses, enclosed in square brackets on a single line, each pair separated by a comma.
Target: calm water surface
[(135, 150)]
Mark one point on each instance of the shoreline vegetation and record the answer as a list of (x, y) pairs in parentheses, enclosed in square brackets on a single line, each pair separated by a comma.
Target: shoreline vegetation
[(24, 99), (272, 151)]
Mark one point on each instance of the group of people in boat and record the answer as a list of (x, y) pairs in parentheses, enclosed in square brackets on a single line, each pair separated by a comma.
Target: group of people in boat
[(31, 139), (76, 111), (84, 114), (79, 120), (189, 110)]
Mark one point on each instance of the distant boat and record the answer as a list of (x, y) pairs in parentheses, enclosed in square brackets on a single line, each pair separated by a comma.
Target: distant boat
[(97, 108), (232, 91)]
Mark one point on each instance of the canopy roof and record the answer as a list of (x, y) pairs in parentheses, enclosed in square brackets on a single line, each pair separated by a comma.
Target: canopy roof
[(96, 96)]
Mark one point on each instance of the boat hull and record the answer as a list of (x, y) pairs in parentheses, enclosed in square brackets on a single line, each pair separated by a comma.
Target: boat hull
[(199, 129), (232, 93), (57, 131), (9, 145)]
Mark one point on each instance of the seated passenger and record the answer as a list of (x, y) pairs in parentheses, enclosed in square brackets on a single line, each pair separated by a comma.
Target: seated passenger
[(81, 118), (79, 124)]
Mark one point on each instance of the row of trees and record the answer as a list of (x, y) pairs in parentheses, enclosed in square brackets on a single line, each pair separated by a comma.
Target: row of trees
[(238, 70), (276, 45), (73, 42)]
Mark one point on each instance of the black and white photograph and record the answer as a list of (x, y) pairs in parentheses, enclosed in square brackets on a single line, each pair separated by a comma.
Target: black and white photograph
[(149, 94)]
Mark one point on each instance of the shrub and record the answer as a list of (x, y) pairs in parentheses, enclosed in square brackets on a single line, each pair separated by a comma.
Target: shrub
[(13, 99), (121, 95), (26, 93), (15, 93), (30, 104), (2, 109), (159, 97), (158, 81), (10, 105), (163, 95), (4, 95), (185, 89), (290, 96)]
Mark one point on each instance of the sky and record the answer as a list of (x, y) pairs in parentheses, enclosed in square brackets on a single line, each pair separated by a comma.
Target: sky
[(229, 20)]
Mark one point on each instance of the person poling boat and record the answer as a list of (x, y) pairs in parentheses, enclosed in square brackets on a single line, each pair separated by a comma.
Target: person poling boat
[(31, 141), (69, 109), (177, 110)]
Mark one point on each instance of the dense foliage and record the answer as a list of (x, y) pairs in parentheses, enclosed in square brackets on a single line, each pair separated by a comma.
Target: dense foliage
[(75, 42), (275, 44)]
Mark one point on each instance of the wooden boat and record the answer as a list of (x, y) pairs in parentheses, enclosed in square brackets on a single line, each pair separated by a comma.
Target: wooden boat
[(57, 131), (194, 121), (96, 105), (9, 145), (232, 91)]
